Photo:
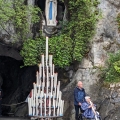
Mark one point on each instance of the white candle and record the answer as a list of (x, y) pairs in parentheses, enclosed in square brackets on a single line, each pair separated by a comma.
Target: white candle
[(53, 107), (37, 76), (40, 71), (58, 111), (43, 74), (51, 85), (36, 105), (33, 85), (49, 104), (42, 61), (58, 85), (55, 82), (39, 93), (51, 72), (60, 94), (62, 106), (42, 88), (41, 106), (32, 98), (40, 84), (35, 90), (29, 106), (47, 82), (57, 93), (53, 69), (45, 104), (43, 78), (46, 50), (50, 60)]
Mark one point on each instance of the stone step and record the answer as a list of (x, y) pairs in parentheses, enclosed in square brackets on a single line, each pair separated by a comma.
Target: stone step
[(13, 118)]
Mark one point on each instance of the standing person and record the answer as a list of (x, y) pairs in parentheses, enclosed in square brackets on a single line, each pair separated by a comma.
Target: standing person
[(79, 98)]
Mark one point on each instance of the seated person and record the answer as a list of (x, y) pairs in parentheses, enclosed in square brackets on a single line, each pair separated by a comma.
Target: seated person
[(89, 109)]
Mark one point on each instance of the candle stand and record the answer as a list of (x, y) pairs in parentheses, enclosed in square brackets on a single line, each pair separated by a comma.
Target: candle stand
[(45, 101)]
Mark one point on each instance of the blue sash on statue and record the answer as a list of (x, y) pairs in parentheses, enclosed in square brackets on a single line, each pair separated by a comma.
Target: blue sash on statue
[(50, 10)]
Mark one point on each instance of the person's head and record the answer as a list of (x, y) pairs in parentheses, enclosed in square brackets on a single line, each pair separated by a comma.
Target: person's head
[(80, 84), (87, 98)]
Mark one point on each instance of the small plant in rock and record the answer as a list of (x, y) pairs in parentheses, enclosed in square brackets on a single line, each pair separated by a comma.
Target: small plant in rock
[(118, 21), (112, 73)]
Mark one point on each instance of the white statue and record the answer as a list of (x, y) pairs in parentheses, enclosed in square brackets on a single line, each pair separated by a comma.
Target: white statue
[(51, 12)]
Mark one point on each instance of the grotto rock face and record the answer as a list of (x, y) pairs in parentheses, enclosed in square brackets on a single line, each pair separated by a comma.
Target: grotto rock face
[(105, 41), (6, 50), (17, 81)]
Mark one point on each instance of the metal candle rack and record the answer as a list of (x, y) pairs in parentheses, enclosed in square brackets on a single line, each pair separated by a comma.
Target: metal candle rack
[(46, 101)]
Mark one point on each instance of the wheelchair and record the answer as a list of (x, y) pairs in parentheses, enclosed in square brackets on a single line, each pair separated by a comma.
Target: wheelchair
[(81, 117)]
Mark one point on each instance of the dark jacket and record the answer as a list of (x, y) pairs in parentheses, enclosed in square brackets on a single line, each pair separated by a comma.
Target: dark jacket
[(79, 95)]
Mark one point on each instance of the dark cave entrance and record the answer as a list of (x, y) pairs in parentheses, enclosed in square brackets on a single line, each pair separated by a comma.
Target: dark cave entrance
[(16, 84)]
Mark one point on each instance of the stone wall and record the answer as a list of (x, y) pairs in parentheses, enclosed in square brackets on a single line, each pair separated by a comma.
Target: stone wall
[(110, 102), (105, 41)]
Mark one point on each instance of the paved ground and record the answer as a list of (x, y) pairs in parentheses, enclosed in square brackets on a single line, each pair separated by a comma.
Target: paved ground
[(13, 118)]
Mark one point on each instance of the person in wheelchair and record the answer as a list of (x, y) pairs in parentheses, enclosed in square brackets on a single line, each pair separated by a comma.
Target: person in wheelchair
[(89, 110)]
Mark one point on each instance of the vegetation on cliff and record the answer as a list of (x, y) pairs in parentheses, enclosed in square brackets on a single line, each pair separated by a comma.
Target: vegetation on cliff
[(16, 14), (112, 73), (72, 43)]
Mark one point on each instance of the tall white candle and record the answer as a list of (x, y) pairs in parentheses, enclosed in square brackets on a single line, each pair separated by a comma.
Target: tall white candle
[(40, 71), (42, 88), (57, 93), (37, 76), (47, 82), (55, 82), (45, 104), (62, 106), (53, 69), (36, 105), (32, 98), (51, 86), (49, 104), (29, 107), (46, 50), (58, 85), (53, 107), (43, 74), (43, 77), (41, 106), (50, 60), (40, 84), (58, 111), (42, 61), (39, 91)]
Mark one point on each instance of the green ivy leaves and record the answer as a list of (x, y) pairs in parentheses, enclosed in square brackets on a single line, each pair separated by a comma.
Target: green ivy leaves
[(72, 43), (18, 14), (112, 73)]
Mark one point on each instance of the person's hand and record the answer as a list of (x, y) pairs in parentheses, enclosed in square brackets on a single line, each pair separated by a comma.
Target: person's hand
[(79, 104), (90, 106)]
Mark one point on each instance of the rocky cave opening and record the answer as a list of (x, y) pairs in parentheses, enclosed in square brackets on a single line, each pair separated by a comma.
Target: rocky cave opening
[(16, 83)]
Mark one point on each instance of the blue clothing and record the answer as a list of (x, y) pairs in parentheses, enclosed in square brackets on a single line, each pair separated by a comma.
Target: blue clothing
[(50, 10), (88, 112), (79, 95)]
